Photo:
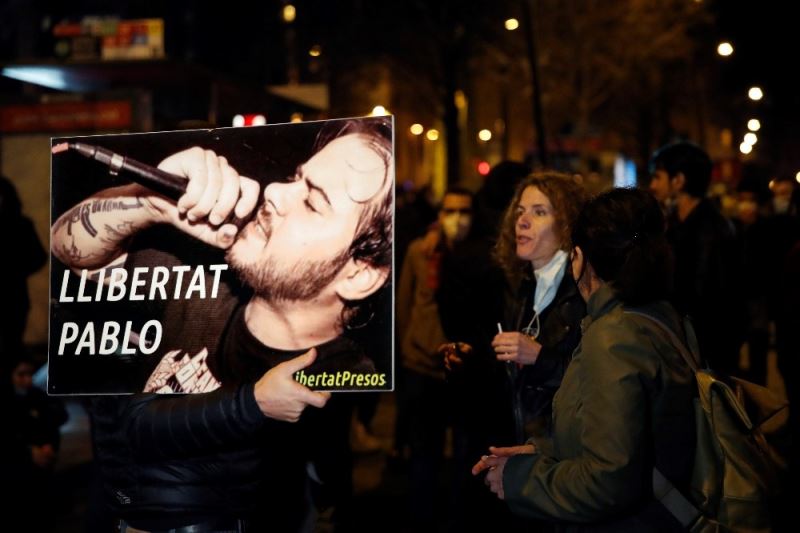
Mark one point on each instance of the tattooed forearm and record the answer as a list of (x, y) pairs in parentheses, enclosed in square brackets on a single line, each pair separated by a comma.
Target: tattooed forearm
[(83, 211), (64, 219), (69, 253)]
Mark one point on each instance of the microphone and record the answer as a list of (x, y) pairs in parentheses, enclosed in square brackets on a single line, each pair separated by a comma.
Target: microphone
[(170, 185)]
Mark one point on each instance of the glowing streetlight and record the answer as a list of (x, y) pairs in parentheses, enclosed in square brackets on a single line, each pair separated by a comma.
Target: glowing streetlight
[(725, 49), (797, 177), (750, 138), (289, 13), (416, 129), (296, 117), (755, 94), (315, 51), (512, 24), (432, 135), (745, 148), (485, 135), (379, 111), (753, 124)]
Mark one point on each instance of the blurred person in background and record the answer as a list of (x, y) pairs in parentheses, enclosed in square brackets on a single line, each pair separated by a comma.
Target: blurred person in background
[(759, 265), (29, 256), (444, 276), (708, 263), (29, 453)]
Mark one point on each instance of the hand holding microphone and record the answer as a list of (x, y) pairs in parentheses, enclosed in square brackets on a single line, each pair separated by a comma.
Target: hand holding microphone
[(213, 201)]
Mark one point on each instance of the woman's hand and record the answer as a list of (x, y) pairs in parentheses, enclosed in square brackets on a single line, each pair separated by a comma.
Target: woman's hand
[(517, 347), (496, 463)]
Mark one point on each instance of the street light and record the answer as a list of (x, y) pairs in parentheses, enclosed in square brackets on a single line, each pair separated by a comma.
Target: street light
[(753, 124), (485, 135), (289, 13), (725, 49), (416, 129), (745, 148), (512, 24), (432, 134), (755, 94), (378, 111), (797, 177), (750, 138)]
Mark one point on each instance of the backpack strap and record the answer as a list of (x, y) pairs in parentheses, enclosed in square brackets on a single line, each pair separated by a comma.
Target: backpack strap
[(673, 501), (664, 491), (690, 357)]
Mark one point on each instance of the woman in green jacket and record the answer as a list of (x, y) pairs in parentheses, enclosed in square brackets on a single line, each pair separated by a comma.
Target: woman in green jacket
[(625, 404)]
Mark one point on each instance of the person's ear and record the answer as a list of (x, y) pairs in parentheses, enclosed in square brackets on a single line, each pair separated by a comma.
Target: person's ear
[(360, 280), (677, 182), (576, 263)]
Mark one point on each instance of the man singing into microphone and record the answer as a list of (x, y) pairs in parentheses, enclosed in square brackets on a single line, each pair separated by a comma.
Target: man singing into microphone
[(315, 251)]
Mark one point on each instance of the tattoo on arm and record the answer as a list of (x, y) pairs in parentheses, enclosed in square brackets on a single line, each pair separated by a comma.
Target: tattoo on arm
[(82, 212), (71, 253)]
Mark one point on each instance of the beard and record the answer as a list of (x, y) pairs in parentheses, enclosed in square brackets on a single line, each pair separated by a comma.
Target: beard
[(275, 281)]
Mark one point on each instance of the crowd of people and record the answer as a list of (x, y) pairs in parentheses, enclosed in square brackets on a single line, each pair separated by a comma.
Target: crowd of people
[(524, 323), (581, 396)]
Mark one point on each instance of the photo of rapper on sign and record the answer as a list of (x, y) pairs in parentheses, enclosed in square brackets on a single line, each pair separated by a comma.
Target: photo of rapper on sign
[(186, 260)]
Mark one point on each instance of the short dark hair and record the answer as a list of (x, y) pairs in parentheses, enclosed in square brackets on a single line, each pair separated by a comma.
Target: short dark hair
[(621, 234), (686, 158), (567, 197), (458, 190)]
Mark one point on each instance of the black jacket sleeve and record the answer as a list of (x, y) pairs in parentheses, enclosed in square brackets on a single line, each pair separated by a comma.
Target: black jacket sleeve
[(160, 426)]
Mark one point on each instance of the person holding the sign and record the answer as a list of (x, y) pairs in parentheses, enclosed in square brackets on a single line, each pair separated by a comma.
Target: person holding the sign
[(312, 254)]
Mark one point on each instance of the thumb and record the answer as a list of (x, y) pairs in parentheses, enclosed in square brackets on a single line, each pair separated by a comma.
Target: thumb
[(318, 399), (300, 362), (225, 235)]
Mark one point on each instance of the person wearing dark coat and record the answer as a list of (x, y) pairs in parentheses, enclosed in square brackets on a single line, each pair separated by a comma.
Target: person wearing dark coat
[(625, 405), (708, 261)]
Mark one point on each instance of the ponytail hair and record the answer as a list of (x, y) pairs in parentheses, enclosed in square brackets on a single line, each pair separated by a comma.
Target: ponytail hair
[(621, 233)]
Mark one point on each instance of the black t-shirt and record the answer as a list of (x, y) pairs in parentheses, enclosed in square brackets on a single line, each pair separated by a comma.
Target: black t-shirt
[(244, 358)]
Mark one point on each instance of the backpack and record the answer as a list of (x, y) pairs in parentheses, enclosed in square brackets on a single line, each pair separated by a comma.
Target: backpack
[(737, 466)]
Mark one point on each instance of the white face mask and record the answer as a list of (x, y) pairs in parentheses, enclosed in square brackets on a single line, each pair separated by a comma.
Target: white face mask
[(548, 278), (780, 205), (456, 226)]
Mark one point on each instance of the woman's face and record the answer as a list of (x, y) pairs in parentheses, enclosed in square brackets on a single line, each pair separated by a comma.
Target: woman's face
[(535, 230)]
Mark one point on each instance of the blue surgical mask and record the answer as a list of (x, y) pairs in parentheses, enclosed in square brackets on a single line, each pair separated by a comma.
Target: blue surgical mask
[(548, 278)]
